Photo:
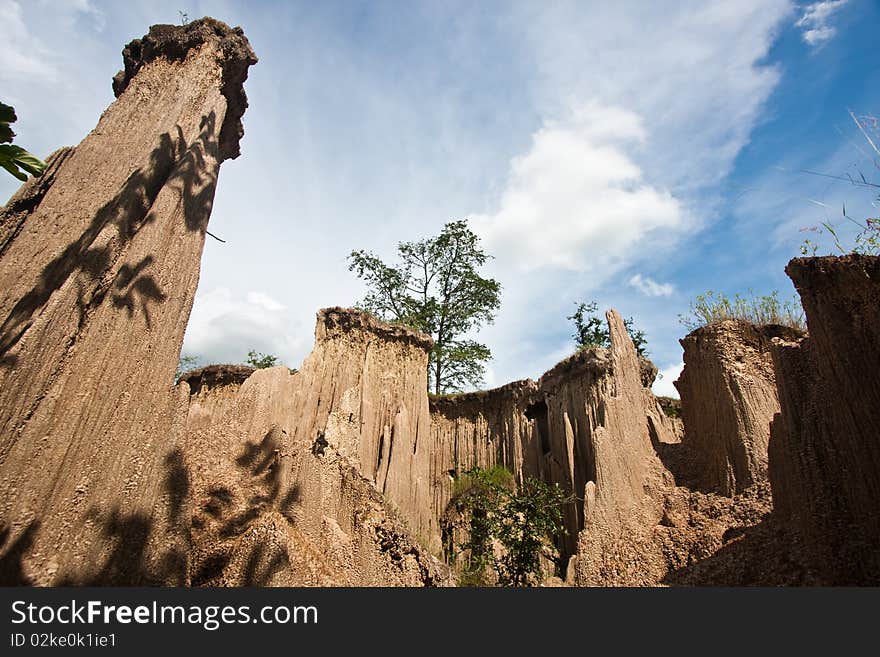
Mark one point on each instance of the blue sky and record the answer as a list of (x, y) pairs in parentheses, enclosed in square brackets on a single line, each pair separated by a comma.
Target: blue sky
[(635, 153)]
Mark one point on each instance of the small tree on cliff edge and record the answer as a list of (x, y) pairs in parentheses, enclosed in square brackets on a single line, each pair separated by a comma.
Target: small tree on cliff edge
[(592, 331), (436, 289), (260, 360)]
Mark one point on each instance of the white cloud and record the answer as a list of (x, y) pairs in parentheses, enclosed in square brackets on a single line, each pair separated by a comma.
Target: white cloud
[(692, 70), (663, 385), (224, 326), (86, 8), (650, 287), (815, 21), (23, 56), (576, 200), (643, 110), (264, 301)]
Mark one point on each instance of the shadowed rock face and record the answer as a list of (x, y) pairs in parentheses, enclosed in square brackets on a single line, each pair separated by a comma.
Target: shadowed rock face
[(99, 262), (728, 398), (320, 477), (825, 442)]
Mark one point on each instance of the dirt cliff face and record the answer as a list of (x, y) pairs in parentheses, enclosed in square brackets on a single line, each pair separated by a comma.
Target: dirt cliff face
[(320, 477), (482, 429), (624, 480), (211, 390), (728, 398), (99, 262), (591, 426), (824, 448), (588, 425), (174, 43)]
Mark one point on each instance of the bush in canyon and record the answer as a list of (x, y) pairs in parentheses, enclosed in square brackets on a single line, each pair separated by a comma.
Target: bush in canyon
[(510, 527)]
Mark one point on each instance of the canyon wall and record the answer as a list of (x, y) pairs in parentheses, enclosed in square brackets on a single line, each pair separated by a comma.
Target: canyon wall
[(728, 398), (591, 425), (624, 480), (320, 477), (211, 390), (587, 425), (824, 447), (99, 262), (482, 429), (340, 474)]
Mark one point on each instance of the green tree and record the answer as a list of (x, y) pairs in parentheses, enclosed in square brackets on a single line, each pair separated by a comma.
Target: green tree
[(523, 521), (15, 159), (185, 364), (590, 330), (436, 288), (260, 360), (528, 521)]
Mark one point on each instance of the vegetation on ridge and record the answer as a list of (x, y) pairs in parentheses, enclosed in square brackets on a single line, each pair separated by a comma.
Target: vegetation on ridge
[(261, 361), (711, 308), (866, 239), (591, 330)]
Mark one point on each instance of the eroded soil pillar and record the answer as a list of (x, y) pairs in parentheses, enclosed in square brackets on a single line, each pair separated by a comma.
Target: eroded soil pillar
[(825, 441), (99, 262)]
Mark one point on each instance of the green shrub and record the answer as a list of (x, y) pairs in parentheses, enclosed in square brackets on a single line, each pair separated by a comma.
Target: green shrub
[(520, 521), (477, 479), (15, 159), (866, 241), (711, 308), (261, 361)]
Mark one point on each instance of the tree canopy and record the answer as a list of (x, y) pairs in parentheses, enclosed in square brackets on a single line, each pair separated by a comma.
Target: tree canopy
[(261, 361), (590, 330), (436, 288)]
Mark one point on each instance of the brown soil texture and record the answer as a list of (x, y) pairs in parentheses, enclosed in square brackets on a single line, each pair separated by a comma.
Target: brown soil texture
[(99, 263), (340, 473), (319, 477), (174, 43), (215, 376), (728, 397), (736, 542), (824, 448)]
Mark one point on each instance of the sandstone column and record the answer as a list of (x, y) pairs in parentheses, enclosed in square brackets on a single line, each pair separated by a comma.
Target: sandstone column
[(728, 398), (99, 262), (825, 441)]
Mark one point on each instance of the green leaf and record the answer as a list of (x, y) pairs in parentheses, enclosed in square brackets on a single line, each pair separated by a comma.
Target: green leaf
[(436, 288), (19, 157), (11, 168)]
